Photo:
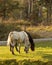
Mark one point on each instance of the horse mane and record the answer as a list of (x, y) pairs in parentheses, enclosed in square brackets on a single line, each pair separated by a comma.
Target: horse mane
[(31, 41)]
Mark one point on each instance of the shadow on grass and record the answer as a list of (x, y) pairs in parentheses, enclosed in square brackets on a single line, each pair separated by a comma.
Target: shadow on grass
[(48, 56), (24, 62), (8, 62)]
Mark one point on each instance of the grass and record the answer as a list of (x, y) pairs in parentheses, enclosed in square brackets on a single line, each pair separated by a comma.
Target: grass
[(41, 56)]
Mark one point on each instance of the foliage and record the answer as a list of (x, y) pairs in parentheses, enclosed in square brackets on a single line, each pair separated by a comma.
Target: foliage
[(29, 10), (7, 7), (5, 29)]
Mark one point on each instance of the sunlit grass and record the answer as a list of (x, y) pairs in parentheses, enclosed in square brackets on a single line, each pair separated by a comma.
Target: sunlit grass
[(38, 54), (41, 55)]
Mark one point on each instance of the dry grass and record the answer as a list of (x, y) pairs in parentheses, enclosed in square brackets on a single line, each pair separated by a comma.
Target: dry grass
[(35, 31), (40, 28), (42, 31)]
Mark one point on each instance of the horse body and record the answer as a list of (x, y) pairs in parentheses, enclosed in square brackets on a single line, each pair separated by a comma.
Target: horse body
[(16, 38)]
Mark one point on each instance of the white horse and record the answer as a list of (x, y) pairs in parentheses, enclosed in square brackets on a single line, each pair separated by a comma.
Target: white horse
[(16, 38)]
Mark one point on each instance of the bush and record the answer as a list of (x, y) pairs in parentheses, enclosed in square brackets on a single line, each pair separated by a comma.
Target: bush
[(6, 28)]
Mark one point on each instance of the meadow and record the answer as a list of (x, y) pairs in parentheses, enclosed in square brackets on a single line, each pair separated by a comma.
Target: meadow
[(41, 56)]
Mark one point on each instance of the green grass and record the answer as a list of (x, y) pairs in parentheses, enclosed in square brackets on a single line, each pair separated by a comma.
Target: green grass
[(41, 56)]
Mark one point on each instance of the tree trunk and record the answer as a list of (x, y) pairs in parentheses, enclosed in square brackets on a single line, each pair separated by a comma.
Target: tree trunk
[(29, 7)]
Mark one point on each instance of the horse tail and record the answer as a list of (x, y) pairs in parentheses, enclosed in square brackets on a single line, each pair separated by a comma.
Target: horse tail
[(31, 41), (9, 38)]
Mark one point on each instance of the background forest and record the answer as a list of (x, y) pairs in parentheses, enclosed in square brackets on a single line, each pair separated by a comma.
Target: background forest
[(37, 11), (26, 15)]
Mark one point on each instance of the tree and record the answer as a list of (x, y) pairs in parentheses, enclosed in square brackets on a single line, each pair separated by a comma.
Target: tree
[(48, 5), (7, 7)]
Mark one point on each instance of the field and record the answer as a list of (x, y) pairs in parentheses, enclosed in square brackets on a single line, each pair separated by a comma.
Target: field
[(41, 56)]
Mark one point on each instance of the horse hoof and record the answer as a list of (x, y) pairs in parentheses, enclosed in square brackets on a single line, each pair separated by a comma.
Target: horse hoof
[(10, 50), (26, 51), (19, 52), (13, 53)]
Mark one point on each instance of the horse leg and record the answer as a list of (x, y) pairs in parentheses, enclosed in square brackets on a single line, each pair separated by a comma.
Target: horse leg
[(19, 47), (27, 45), (13, 50), (26, 50), (10, 48), (16, 47)]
